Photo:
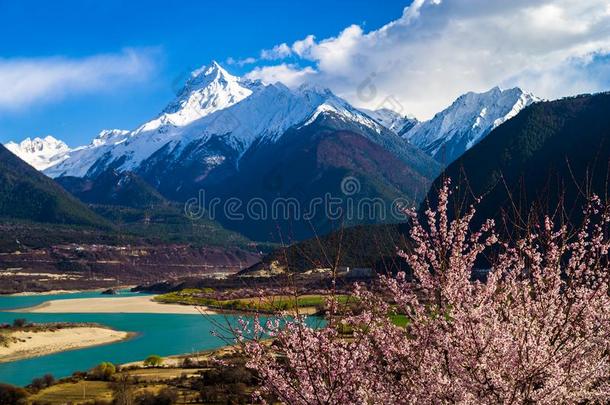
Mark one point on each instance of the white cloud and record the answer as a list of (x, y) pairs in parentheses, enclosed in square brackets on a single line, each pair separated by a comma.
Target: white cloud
[(303, 46), (438, 50), (278, 52), (289, 74), (241, 62), (25, 82)]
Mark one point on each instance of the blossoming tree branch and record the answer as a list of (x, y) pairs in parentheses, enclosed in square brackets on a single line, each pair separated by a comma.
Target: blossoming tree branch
[(535, 331)]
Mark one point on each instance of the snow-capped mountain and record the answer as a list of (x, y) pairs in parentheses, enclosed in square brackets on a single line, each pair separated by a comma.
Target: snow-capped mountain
[(237, 138), (467, 121), (209, 89), (40, 153), (213, 103), (392, 120)]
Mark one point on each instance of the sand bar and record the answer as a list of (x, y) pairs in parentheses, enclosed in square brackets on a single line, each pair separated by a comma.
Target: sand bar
[(54, 292), (33, 294), (126, 305), (27, 344)]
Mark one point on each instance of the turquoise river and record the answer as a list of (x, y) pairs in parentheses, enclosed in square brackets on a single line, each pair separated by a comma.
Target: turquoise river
[(162, 334)]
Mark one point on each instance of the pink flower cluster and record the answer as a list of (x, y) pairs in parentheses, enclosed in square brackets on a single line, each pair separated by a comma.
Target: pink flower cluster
[(537, 331)]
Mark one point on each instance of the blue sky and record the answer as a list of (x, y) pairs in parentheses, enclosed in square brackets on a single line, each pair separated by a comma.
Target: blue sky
[(175, 37), (73, 68)]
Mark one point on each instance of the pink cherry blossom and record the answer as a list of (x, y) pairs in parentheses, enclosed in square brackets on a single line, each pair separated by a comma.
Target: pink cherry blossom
[(536, 331)]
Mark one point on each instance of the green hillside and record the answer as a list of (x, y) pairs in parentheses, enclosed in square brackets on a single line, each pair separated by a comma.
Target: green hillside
[(26, 194)]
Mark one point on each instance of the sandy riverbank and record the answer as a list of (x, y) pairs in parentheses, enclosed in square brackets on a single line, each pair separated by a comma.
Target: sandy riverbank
[(32, 293), (127, 305), (27, 344), (176, 360), (55, 292)]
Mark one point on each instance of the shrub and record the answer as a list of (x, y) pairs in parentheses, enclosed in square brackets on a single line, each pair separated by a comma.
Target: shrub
[(187, 362), (153, 361), (225, 383), (48, 380), (123, 390), (10, 395), (167, 396), (19, 322), (103, 371)]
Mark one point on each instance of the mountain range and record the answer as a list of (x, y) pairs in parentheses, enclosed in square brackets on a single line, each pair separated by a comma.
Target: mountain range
[(237, 138), (28, 195), (214, 107), (234, 138), (547, 159), (211, 90), (38, 213)]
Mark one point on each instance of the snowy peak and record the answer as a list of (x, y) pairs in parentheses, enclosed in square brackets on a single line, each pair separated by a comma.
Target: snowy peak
[(269, 112), (214, 105), (328, 102), (467, 121), (392, 120), (110, 137), (36, 145), (202, 77), (40, 153), (209, 89)]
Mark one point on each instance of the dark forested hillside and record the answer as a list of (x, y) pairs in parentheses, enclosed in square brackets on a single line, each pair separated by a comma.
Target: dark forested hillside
[(113, 188), (26, 194)]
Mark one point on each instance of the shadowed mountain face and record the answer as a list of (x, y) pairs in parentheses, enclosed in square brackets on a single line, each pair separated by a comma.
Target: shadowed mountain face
[(26, 194), (33, 206), (310, 164), (284, 180), (114, 188)]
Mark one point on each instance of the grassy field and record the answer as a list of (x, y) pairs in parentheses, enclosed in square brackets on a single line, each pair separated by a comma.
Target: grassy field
[(161, 374), (262, 304), (87, 392), (80, 392)]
